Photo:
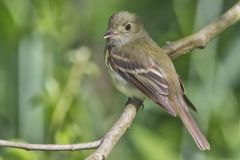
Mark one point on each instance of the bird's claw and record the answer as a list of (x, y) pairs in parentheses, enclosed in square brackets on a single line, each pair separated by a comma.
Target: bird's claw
[(136, 102)]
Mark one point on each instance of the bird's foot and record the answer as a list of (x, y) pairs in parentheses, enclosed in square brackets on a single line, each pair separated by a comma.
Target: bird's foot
[(135, 102)]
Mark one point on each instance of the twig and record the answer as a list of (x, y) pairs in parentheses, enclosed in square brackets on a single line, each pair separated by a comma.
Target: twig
[(52, 147), (202, 37)]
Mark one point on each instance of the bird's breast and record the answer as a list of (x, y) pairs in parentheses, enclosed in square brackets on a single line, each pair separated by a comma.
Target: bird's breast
[(120, 83)]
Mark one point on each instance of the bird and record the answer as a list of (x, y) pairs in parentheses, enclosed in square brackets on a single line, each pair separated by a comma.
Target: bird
[(140, 69)]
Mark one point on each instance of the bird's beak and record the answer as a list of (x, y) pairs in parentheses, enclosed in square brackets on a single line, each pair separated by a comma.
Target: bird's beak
[(109, 34)]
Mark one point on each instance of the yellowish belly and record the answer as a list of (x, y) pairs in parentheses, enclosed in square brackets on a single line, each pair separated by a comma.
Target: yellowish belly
[(126, 88)]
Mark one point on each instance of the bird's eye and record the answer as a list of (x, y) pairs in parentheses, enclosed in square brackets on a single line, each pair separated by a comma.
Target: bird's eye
[(128, 27)]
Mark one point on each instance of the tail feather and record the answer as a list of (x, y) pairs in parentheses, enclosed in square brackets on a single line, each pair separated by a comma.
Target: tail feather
[(193, 129)]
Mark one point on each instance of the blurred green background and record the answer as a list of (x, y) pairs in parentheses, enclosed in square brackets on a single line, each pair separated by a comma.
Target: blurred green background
[(54, 87)]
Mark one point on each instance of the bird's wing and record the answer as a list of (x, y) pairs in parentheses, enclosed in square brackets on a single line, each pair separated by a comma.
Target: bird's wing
[(148, 79), (187, 101)]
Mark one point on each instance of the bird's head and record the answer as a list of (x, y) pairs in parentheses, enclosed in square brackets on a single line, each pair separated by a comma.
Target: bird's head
[(123, 27)]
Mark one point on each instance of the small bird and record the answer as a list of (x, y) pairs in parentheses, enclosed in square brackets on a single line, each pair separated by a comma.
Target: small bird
[(139, 68)]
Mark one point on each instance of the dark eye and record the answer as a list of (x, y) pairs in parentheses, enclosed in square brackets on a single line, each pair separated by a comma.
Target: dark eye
[(128, 27)]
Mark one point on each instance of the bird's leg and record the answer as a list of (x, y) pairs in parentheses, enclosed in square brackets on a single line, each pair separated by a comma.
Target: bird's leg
[(136, 102)]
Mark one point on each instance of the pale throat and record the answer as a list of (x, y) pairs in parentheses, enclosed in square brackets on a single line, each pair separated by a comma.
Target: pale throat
[(118, 41)]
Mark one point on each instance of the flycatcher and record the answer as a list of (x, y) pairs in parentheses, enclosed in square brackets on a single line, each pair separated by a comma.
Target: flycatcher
[(139, 68)]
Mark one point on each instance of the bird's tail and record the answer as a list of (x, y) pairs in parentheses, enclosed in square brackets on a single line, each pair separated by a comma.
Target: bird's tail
[(193, 129)]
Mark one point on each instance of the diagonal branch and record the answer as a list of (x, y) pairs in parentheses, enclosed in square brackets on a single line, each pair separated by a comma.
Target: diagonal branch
[(206, 34), (116, 132)]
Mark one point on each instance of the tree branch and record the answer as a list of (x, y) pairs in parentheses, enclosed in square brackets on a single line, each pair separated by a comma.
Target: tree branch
[(51, 147), (173, 49), (116, 132), (202, 37)]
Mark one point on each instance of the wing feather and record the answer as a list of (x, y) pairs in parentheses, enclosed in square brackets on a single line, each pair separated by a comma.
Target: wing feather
[(148, 79)]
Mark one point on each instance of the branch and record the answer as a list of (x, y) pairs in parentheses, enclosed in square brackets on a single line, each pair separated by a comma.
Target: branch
[(116, 132), (202, 37), (51, 147)]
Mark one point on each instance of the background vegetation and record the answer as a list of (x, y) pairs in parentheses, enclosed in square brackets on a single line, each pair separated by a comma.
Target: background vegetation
[(54, 86)]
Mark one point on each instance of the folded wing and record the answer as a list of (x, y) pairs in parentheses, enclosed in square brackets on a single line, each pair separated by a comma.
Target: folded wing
[(148, 79)]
